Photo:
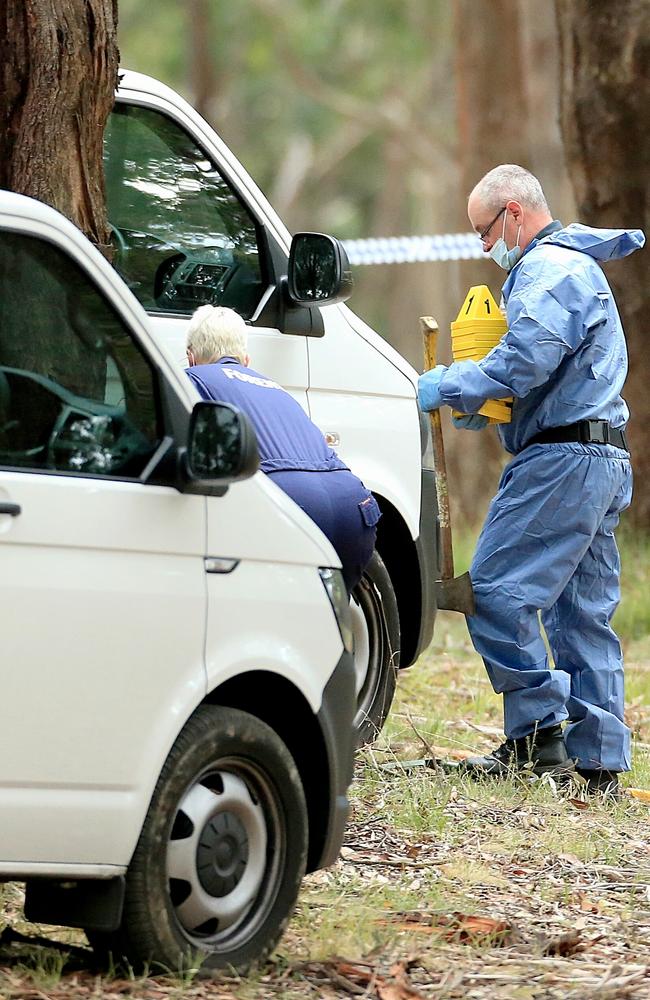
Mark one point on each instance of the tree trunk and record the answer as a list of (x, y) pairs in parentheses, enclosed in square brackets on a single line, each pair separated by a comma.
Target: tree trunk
[(59, 62), (605, 96), (200, 58), (492, 128)]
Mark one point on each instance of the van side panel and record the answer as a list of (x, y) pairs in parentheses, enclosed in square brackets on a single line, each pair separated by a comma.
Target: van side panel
[(266, 616)]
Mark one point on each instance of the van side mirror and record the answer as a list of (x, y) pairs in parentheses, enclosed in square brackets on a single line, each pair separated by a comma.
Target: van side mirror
[(221, 447), (319, 270)]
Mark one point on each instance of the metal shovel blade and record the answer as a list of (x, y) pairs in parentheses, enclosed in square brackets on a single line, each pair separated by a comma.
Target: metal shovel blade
[(455, 594)]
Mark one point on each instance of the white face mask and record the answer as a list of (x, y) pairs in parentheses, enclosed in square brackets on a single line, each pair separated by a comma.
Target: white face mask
[(501, 255)]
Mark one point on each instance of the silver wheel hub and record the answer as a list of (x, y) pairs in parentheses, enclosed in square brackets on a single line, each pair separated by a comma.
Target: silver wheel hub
[(216, 856), (361, 638)]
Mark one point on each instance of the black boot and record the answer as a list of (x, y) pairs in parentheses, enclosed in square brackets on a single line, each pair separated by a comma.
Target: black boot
[(601, 782), (543, 752)]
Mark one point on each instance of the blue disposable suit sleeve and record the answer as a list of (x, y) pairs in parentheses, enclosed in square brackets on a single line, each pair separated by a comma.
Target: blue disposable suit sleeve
[(429, 397), (549, 314)]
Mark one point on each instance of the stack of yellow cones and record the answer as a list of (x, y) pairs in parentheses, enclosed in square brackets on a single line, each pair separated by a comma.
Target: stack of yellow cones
[(478, 328)]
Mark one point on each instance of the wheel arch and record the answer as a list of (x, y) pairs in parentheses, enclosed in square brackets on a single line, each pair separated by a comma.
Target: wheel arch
[(277, 702)]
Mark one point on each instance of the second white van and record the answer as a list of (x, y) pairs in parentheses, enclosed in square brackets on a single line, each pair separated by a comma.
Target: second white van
[(190, 227)]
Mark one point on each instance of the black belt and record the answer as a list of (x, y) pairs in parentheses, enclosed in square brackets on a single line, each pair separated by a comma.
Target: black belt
[(585, 431)]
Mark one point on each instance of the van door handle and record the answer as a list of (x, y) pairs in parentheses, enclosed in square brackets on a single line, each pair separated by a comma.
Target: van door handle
[(13, 509)]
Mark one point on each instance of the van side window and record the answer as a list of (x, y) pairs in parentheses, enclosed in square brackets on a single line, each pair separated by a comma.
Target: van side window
[(76, 393), (182, 238)]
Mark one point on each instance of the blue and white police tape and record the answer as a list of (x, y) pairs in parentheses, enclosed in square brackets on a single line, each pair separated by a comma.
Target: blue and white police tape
[(414, 249)]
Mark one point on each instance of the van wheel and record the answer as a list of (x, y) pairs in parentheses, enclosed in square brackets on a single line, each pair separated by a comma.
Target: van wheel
[(217, 869), (375, 622)]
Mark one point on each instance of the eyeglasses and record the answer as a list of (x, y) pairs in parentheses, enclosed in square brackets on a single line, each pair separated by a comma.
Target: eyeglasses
[(483, 236)]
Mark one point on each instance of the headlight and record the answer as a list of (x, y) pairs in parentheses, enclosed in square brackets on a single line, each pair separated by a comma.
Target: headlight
[(338, 595), (426, 443)]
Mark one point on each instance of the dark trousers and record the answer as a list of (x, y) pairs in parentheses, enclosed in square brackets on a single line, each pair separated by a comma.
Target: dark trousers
[(344, 510)]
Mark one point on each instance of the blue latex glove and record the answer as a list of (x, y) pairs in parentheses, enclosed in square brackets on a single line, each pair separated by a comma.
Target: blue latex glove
[(470, 422), (429, 396)]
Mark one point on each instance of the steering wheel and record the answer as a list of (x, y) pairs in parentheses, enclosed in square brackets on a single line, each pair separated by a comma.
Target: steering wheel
[(119, 241), (162, 282)]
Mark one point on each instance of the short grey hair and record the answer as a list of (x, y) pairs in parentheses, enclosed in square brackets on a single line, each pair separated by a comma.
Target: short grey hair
[(215, 332), (509, 181)]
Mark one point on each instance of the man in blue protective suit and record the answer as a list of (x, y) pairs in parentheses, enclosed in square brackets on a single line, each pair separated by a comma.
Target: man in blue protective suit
[(293, 451), (547, 546)]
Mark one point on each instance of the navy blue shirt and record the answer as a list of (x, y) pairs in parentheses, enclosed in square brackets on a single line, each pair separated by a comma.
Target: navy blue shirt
[(287, 438)]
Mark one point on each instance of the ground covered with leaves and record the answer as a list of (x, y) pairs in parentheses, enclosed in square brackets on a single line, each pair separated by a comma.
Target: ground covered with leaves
[(445, 888)]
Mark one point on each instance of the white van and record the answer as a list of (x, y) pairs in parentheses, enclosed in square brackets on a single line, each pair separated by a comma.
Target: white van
[(177, 689), (190, 227)]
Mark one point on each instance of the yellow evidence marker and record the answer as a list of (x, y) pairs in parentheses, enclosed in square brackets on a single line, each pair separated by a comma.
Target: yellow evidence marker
[(478, 328)]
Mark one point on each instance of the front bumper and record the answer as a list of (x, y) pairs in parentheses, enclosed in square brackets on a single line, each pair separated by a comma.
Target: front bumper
[(336, 717), (427, 546)]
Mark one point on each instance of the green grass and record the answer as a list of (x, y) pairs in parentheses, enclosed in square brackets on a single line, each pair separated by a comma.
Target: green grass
[(632, 619), (446, 700), (43, 968), (354, 919)]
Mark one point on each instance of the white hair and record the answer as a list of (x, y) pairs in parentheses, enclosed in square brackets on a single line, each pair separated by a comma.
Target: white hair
[(215, 332), (509, 181)]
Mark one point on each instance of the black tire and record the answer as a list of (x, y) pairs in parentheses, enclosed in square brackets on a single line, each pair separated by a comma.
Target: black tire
[(222, 853), (377, 647)]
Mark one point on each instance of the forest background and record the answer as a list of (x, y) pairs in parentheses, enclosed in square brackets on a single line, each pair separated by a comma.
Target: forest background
[(375, 119)]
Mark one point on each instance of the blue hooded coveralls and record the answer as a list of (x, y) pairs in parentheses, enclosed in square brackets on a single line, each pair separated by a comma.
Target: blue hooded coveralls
[(547, 544), (295, 455)]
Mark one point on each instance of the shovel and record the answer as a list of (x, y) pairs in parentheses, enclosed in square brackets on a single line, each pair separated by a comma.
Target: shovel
[(453, 593)]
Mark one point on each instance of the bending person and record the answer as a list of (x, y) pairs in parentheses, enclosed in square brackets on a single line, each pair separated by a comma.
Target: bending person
[(293, 451)]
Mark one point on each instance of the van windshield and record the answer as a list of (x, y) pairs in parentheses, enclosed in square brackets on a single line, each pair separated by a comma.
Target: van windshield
[(181, 235)]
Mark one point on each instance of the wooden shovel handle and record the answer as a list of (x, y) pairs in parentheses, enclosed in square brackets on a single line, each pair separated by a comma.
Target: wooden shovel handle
[(429, 329)]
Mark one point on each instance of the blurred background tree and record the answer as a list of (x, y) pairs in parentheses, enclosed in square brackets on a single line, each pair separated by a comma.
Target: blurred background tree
[(605, 114)]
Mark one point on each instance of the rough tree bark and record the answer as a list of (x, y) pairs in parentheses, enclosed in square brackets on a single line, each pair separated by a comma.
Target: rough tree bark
[(58, 66), (605, 97), (58, 70)]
